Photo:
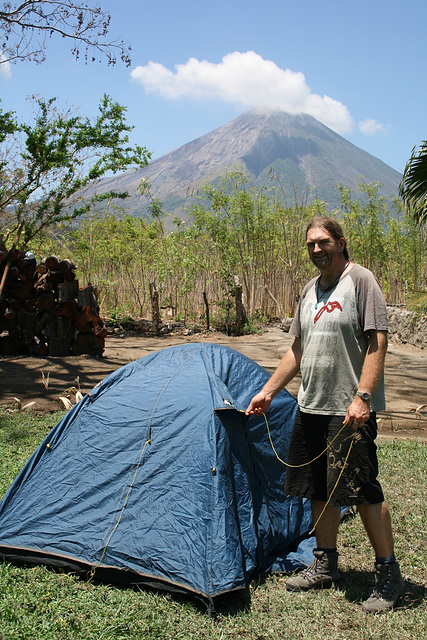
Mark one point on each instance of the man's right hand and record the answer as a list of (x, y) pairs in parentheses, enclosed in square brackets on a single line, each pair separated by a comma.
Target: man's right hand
[(259, 404)]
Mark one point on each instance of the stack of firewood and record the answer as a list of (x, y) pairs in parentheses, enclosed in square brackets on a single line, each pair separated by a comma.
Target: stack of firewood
[(43, 311)]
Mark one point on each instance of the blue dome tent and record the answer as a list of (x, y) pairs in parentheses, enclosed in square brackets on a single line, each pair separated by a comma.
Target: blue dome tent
[(158, 478)]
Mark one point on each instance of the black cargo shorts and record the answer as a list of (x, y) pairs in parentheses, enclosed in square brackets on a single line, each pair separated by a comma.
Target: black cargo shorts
[(358, 484)]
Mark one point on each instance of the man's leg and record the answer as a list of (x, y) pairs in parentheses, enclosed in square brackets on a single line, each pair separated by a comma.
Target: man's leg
[(389, 585), (377, 522), (327, 527), (323, 571), (309, 439)]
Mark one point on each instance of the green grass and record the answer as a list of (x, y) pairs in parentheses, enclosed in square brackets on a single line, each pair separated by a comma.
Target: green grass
[(40, 604)]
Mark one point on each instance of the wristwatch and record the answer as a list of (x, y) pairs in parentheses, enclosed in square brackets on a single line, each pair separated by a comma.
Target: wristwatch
[(364, 395)]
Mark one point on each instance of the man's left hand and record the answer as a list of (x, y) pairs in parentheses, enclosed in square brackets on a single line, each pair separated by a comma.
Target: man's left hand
[(357, 413)]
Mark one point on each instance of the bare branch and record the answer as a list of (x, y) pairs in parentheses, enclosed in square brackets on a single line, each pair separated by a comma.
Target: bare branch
[(25, 28)]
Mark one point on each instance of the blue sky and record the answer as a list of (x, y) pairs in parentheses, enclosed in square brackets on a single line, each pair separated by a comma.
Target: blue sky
[(359, 66)]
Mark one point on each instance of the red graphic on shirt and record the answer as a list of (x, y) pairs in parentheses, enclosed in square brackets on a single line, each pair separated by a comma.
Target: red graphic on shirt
[(329, 307)]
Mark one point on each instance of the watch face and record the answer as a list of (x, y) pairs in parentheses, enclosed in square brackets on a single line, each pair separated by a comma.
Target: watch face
[(365, 396)]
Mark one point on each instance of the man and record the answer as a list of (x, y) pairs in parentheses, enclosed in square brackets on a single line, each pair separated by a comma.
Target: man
[(340, 330)]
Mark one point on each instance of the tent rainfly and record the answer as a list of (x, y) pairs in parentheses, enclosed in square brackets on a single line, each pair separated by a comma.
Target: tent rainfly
[(158, 478)]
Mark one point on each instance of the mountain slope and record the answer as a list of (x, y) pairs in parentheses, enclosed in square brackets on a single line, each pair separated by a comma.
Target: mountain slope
[(308, 157)]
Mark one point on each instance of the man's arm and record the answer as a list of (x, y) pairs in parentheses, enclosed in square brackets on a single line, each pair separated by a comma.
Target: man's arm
[(359, 410), (287, 369)]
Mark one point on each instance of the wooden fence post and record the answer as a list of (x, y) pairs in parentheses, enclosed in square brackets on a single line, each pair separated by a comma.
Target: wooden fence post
[(155, 311), (205, 300), (239, 310)]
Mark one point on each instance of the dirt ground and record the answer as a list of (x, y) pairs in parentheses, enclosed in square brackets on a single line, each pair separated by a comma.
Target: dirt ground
[(44, 380)]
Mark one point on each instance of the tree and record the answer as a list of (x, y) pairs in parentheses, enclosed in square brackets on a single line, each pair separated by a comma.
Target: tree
[(48, 169), (365, 220), (413, 186), (255, 236), (25, 27)]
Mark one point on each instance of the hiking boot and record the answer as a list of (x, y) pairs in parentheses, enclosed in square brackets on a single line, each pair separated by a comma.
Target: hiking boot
[(389, 586), (321, 573)]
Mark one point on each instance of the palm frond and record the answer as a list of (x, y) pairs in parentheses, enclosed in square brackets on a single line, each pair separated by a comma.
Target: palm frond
[(413, 186)]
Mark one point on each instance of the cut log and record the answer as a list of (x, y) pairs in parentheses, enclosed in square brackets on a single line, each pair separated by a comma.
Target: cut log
[(64, 328), (69, 276), (11, 277), (22, 290), (66, 265), (68, 291), (86, 322), (46, 302), (88, 343), (41, 269), (58, 347), (30, 304), (52, 263), (42, 283), (13, 304), (68, 309), (27, 320), (27, 266), (10, 313), (7, 324), (51, 330), (55, 277), (41, 349), (86, 298), (10, 345), (44, 320)]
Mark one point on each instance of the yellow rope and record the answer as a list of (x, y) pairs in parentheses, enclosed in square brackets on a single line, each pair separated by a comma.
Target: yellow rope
[(92, 572), (332, 492), (304, 464)]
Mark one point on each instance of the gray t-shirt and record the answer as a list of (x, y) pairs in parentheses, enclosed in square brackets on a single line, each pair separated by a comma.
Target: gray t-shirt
[(333, 326)]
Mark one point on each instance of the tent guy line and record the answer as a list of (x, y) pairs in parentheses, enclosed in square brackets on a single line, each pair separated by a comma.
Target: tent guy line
[(93, 570)]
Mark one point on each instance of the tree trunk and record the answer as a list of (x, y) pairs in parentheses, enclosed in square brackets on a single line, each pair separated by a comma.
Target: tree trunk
[(155, 311), (205, 300), (10, 258), (279, 310), (239, 310)]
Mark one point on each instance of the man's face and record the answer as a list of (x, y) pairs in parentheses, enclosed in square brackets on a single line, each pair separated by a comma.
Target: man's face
[(323, 249)]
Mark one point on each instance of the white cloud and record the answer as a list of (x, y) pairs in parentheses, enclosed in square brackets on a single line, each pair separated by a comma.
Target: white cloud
[(5, 70), (370, 127), (245, 80)]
